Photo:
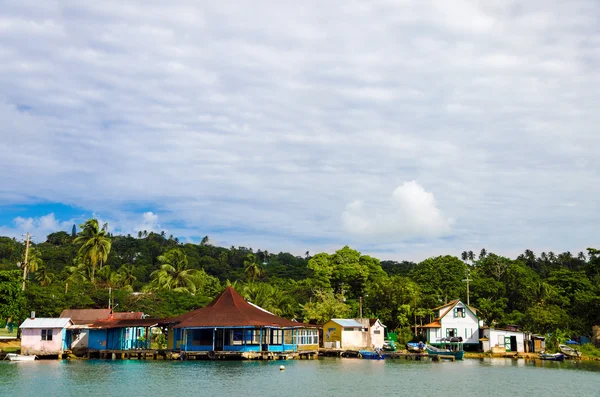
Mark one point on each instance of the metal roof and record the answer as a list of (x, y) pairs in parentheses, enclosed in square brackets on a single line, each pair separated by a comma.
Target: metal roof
[(345, 322), (44, 322), (89, 316)]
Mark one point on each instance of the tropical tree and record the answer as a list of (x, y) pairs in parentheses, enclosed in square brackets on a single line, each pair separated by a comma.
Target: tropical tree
[(44, 276), (252, 267), (95, 244), (127, 274), (174, 274)]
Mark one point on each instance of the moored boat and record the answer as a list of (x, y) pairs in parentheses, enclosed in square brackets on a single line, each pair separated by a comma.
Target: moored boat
[(19, 357), (369, 355), (552, 357), (415, 347), (434, 351), (569, 352)]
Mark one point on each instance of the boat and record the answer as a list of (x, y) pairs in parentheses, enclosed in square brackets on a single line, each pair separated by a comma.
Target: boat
[(371, 355), (19, 357), (415, 347), (569, 352), (389, 346), (435, 351), (552, 357)]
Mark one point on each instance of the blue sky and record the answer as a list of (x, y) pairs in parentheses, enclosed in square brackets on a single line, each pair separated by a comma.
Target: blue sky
[(406, 129)]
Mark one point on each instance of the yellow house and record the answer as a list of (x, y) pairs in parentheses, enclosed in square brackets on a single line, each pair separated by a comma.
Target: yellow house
[(340, 333)]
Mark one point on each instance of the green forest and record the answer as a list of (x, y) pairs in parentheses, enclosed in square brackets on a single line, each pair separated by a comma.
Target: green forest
[(156, 274)]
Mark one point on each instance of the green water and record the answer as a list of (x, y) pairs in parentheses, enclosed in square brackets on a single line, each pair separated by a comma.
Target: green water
[(324, 377)]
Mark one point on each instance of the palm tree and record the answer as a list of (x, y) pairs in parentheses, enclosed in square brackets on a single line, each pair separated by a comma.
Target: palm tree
[(581, 256), (44, 276), (464, 256), (95, 244), (471, 256), (79, 272), (482, 253), (34, 261), (174, 273), (126, 272), (252, 267)]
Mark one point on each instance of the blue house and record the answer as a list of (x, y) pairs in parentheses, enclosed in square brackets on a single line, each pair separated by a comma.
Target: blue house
[(230, 324), (102, 329)]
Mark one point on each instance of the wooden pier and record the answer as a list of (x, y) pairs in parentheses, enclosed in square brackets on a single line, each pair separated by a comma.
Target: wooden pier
[(260, 355), (197, 355)]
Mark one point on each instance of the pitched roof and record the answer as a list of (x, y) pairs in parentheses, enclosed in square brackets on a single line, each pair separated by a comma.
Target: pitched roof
[(231, 310), (89, 316), (347, 322), (45, 322), (433, 324)]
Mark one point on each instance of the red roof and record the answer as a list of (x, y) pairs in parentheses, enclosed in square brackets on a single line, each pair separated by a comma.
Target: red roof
[(435, 324), (89, 316), (231, 310), (116, 323)]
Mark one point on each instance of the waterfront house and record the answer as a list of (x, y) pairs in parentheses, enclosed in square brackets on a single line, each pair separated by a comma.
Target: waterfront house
[(44, 336), (508, 339), (230, 324), (376, 331), (90, 329), (342, 333), (454, 321)]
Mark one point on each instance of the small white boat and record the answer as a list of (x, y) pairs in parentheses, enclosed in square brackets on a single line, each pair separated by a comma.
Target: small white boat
[(19, 357)]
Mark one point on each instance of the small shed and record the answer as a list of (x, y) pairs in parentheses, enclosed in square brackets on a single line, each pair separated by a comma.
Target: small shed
[(342, 333), (45, 336), (376, 331), (505, 339)]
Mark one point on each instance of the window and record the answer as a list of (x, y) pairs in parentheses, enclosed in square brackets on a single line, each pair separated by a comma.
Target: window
[(451, 332), (307, 337), (237, 337), (377, 332), (277, 337), (46, 334), (459, 312)]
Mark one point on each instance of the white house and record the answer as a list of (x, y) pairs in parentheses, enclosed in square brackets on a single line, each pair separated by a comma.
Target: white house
[(454, 320), (508, 339), (376, 331)]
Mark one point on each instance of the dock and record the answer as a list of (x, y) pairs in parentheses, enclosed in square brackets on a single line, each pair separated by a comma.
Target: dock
[(198, 355)]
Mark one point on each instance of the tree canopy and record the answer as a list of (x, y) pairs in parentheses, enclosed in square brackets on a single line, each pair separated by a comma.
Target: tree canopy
[(157, 274)]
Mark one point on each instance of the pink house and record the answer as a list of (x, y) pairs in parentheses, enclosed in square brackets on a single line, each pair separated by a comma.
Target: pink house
[(45, 336)]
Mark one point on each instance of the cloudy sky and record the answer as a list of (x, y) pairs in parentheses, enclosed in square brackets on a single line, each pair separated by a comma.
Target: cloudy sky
[(403, 128)]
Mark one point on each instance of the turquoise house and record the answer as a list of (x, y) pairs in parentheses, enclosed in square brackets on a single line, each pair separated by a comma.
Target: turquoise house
[(102, 329), (230, 324)]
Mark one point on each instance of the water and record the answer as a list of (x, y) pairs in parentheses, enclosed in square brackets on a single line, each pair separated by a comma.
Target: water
[(324, 377)]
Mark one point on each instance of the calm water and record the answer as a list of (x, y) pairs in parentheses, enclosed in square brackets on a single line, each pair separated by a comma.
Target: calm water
[(324, 377)]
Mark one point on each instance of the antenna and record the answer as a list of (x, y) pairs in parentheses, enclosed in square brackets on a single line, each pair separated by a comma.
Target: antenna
[(467, 280)]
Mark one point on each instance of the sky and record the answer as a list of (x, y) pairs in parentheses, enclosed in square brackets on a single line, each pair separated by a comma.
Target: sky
[(405, 129)]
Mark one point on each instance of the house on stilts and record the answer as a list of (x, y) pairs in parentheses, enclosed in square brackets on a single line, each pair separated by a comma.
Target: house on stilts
[(230, 327), (101, 330)]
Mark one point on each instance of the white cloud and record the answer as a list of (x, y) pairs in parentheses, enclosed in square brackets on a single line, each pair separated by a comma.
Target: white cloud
[(39, 227), (248, 121), (411, 212)]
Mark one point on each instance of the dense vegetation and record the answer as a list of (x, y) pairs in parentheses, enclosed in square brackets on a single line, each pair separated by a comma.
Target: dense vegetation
[(158, 275)]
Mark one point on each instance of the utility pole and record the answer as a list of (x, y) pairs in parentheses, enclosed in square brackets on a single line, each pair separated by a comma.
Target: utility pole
[(26, 264), (467, 280), (360, 307), (416, 331)]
